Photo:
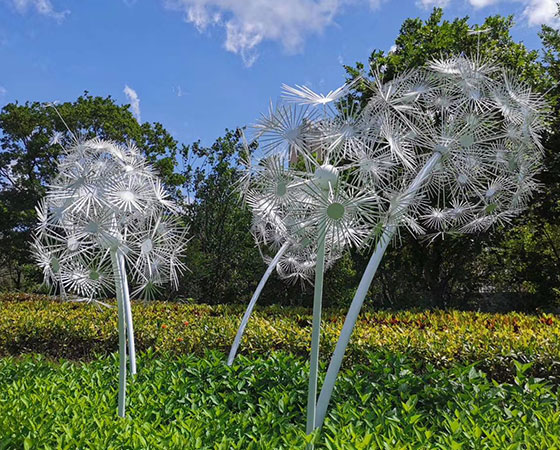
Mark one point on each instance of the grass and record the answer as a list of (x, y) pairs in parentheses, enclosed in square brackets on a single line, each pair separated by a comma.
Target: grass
[(391, 402)]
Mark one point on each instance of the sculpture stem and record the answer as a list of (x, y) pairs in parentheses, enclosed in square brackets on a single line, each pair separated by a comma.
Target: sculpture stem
[(128, 315), (316, 330), (363, 287), (119, 276), (253, 302)]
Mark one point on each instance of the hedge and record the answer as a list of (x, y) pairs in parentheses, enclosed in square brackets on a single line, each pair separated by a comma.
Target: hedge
[(71, 330), (197, 402)]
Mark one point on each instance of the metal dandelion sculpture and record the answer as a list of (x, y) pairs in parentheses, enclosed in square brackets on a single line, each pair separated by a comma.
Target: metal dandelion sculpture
[(452, 147), (107, 220), (271, 190), (474, 136), (311, 211)]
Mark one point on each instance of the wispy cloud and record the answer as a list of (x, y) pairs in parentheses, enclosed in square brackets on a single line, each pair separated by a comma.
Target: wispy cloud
[(134, 100), (538, 12), (427, 4), (482, 3), (178, 91), (43, 7), (3, 91)]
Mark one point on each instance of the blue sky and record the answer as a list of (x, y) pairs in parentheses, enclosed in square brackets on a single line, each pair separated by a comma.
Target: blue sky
[(199, 66)]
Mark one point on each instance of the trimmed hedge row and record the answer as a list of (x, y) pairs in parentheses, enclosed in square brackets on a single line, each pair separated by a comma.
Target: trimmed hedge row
[(39, 324)]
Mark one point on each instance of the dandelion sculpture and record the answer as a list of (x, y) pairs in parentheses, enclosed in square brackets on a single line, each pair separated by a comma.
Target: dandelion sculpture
[(313, 209), (105, 212), (452, 147), (270, 192)]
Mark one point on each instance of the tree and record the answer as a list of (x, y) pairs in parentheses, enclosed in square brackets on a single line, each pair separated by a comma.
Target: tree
[(31, 135), (223, 260)]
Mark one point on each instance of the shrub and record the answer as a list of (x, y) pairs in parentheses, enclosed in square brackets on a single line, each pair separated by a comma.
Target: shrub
[(35, 324)]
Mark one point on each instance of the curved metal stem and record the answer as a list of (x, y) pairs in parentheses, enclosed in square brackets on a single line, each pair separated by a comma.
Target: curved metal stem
[(122, 331), (128, 315), (349, 323), (252, 303), (363, 287), (316, 330)]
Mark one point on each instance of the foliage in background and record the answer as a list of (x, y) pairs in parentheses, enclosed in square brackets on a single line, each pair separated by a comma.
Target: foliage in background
[(223, 259), (73, 330)]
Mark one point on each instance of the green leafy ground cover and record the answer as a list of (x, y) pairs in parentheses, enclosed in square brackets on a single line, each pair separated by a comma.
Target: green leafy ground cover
[(390, 402), (32, 324)]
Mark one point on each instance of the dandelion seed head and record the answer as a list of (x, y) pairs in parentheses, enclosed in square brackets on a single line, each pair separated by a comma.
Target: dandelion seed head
[(106, 198), (352, 170)]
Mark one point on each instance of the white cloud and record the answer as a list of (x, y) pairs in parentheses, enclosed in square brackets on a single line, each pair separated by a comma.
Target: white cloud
[(3, 91), (248, 23), (538, 12), (393, 49), (376, 4), (43, 7), (134, 101), (178, 91), (428, 4), (482, 3)]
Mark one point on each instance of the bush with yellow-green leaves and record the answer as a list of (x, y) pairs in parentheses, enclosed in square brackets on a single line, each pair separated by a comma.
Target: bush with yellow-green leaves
[(71, 330)]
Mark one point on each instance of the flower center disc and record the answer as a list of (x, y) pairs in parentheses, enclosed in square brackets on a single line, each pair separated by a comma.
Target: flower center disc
[(146, 246), (335, 211), (326, 176), (126, 196), (73, 244), (55, 264), (281, 188)]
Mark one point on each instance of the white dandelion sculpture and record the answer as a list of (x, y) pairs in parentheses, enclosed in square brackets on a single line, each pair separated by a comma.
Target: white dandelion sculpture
[(304, 202), (270, 190), (107, 219), (452, 147), (475, 130)]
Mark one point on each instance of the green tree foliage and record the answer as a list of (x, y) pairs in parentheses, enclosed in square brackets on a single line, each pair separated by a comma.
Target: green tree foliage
[(223, 260), (520, 262), (420, 41), (28, 157)]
